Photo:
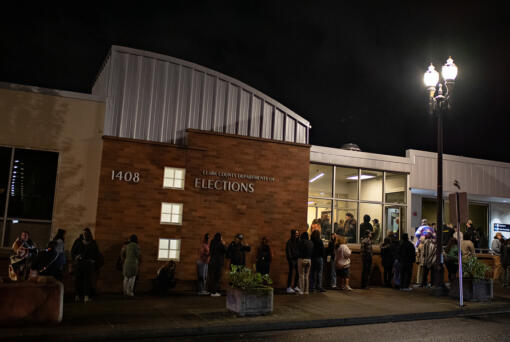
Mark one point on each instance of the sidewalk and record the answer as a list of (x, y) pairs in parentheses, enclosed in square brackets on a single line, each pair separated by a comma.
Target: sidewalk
[(181, 314)]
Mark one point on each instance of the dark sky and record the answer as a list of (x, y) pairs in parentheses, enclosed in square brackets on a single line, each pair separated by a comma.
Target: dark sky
[(354, 71)]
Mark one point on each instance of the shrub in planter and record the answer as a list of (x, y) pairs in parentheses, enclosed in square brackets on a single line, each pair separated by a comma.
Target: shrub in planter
[(249, 292), (477, 284)]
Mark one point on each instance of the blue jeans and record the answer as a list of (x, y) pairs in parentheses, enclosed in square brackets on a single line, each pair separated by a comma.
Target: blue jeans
[(316, 273), (333, 272), (201, 275)]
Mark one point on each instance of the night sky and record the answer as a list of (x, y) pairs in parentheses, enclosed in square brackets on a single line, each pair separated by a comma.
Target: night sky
[(354, 71)]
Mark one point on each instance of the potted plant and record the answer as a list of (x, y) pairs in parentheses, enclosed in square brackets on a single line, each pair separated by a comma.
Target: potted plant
[(477, 283), (249, 292)]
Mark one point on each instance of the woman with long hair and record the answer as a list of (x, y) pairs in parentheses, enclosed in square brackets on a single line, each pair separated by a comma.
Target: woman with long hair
[(130, 255), (85, 254)]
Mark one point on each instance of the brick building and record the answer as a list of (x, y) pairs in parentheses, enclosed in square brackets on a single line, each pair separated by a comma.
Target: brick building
[(169, 150)]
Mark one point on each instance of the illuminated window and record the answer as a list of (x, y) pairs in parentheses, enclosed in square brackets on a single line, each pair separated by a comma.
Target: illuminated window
[(173, 178), (171, 213), (169, 249)]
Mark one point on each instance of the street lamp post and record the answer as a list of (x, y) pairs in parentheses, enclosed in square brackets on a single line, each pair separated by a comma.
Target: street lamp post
[(439, 103)]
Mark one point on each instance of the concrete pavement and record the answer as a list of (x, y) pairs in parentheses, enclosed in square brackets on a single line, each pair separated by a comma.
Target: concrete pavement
[(185, 314)]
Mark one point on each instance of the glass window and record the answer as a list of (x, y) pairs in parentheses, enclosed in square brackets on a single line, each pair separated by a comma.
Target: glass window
[(173, 178), (169, 249), (395, 220), (33, 184), (371, 185), (320, 209), (171, 213), (346, 183), (321, 180), (346, 214), (395, 187), (370, 216)]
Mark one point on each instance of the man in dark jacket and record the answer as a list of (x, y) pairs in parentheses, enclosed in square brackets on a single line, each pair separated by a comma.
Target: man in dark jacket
[(317, 262), (236, 251), (292, 253), (407, 257), (330, 259), (366, 257)]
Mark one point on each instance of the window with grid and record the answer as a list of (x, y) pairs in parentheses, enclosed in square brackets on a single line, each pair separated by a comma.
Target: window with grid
[(169, 249), (173, 178), (171, 213)]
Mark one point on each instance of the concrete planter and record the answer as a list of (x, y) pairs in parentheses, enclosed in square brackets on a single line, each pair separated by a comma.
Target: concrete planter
[(474, 290), (250, 303)]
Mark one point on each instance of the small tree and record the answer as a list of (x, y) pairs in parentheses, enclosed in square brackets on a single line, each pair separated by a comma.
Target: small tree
[(474, 268)]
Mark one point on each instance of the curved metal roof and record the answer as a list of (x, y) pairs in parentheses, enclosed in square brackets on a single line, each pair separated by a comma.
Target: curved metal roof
[(155, 97)]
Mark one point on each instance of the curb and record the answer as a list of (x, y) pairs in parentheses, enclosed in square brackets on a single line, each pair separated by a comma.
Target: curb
[(147, 333)]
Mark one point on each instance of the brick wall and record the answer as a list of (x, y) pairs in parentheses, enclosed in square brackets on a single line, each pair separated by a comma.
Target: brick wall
[(126, 208)]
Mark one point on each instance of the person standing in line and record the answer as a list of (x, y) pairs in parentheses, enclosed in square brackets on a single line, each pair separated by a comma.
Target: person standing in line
[(452, 258), (429, 259), (202, 265), (407, 257), (330, 259), (350, 228), (505, 262), (217, 252), (420, 261), (264, 257), (236, 251), (343, 263), (304, 263), (60, 249), (85, 254), (387, 261), (467, 247), (395, 245), (317, 263), (496, 247), (365, 226), (473, 232), (455, 233), (376, 235), (130, 255), (366, 257), (292, 254)]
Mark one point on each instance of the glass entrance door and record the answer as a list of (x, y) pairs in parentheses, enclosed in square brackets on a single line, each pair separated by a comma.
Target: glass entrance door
[(394, 217)]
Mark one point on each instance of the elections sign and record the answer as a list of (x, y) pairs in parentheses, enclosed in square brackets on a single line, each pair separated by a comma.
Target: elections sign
[(501, 227)]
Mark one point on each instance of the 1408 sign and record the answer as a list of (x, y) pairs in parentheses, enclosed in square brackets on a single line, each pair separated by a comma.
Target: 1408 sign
[(126, 176)]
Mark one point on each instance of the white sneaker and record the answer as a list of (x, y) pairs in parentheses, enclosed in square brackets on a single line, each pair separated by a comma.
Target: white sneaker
[(216, 294), (86, 299), (408, 289), (290, 290), (333, 286), (203, 293), (297, 289), (348, 288)]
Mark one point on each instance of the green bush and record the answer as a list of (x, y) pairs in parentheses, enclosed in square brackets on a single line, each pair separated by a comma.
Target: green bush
[(245, 279), (474, 268)]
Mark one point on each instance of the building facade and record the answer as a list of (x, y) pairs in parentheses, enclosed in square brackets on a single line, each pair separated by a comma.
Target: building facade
[(170, 150)]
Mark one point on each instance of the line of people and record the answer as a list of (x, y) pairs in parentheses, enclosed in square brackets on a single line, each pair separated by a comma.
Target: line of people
[(212, 255)]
